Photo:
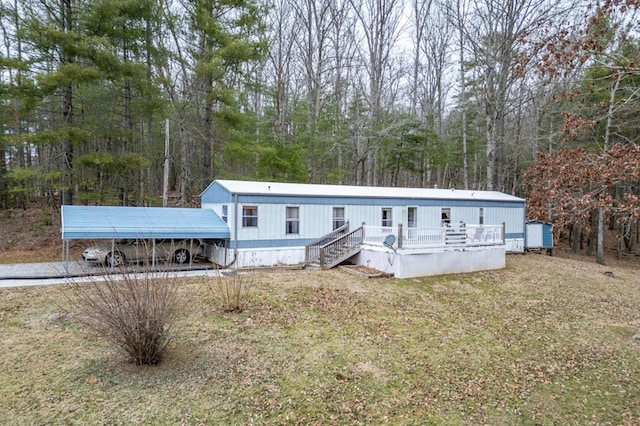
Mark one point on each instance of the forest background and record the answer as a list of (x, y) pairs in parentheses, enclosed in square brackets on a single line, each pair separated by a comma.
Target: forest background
[(536, 98)]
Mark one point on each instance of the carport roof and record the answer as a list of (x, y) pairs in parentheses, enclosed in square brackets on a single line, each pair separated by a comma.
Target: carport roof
[(109, 222)]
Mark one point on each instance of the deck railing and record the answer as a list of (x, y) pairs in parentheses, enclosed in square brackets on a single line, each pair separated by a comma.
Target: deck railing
[(455, 235), (339, 245)]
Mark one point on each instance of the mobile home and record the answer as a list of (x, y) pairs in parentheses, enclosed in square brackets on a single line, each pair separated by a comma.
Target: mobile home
[(271, 223)]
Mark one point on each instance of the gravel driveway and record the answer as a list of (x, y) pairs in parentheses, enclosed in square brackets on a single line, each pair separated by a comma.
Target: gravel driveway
[(33, 274)]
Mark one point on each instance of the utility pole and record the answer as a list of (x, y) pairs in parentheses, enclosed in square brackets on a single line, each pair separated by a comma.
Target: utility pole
[(165, 183)]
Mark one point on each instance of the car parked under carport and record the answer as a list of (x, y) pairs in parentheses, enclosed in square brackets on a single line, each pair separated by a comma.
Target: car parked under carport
[(184, 228), (133, 250)]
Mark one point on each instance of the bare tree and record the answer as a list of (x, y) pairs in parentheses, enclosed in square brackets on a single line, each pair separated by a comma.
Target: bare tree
[(280, 64), (494, 31), (456, 12), (421, 17), (314, 17), (343, 52), (379, 24), (434, 47)]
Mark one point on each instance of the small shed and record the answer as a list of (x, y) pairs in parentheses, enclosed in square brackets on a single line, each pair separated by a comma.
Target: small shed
[(539, 236)]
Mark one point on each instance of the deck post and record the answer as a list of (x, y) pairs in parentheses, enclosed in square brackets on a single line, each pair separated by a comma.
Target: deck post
[(504, 235), (399, 235), (65, 257)]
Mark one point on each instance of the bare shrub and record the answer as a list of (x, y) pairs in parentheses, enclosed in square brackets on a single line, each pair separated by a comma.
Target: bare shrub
[(230, 290), (134, 311)]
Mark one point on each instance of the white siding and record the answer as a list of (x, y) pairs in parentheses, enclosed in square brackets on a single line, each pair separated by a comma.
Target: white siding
[(317, 220), (267, 244)]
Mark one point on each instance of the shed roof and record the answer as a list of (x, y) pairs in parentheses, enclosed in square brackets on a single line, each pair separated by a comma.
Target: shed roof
[(108, 222), (299, 189)]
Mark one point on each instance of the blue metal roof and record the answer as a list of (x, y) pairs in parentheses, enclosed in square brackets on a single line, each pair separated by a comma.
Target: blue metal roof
[(108, 222)]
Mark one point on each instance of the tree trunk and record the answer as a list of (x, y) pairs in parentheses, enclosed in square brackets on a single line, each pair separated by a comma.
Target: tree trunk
[(184, 176), (600, 244), (611, 110), (491, 150), (67, 113), (575, 239), (208, 146), (3, 183), (463, 110)]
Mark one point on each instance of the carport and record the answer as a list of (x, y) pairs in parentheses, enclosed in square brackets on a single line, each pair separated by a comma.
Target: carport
[(145, 223)]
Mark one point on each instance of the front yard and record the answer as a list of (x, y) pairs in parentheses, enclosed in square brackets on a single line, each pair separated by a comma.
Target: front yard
[(545, 341)]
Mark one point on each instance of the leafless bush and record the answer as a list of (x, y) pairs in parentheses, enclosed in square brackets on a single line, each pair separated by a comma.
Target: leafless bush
[(134, 311), (230, 290)]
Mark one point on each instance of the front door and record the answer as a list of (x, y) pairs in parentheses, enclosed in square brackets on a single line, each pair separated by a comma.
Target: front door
[(412, 221)]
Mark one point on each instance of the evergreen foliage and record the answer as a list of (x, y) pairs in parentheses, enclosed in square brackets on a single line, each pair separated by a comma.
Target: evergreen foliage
[(303, 92)]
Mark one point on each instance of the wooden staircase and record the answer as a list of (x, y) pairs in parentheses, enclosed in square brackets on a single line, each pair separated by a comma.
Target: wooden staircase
[(334, 248)]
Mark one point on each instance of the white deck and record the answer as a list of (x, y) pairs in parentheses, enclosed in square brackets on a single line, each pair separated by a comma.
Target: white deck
[(433, 251)]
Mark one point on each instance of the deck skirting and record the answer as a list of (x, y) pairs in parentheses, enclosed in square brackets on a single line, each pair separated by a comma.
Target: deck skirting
[(410, 263)]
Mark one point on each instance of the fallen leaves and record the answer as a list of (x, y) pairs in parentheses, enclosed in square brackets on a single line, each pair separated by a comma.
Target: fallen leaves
[(91, 380), (324, 347)]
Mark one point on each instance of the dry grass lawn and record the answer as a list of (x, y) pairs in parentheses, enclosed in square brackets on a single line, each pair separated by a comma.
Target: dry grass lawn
[(544, 341)]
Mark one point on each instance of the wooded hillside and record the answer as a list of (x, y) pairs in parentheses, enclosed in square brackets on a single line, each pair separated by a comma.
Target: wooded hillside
[(453, 93)]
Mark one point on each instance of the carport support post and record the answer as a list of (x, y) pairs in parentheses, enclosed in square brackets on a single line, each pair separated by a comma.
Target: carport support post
[(235, 229), (65, 257), (113, 248)]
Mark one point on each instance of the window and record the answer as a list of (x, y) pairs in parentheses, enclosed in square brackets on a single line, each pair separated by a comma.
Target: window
[(481, 218), (225, 212), (293, 220), (446, 216), (250, 216), (412, 217), (338, 217), (386, 217)]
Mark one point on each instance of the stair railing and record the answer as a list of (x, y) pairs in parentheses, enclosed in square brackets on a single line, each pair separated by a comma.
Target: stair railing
[(341, 248), (312, 250)]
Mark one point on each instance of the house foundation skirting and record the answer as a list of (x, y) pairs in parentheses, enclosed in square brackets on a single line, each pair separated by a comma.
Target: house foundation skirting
[(257, 257), (424, 262), (403, 263)]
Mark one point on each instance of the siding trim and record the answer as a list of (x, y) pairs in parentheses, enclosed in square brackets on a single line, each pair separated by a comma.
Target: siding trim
[(381, 202)]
